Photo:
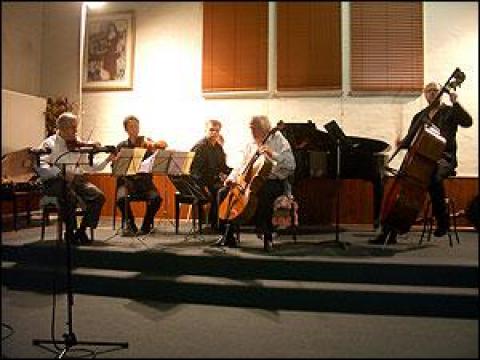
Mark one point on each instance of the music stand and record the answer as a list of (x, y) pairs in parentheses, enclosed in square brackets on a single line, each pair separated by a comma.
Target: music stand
[(159, 166), (129, 162), (341, 141), (179, 175), (69, 338)]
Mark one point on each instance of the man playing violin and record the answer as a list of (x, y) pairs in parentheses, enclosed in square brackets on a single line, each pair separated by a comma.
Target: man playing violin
[(140, 184), (209, 166), (62, 146), (277, 150), (447, 118)]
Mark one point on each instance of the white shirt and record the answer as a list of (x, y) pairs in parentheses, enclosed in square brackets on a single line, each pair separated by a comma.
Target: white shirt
[(60, 152), (282, 158)]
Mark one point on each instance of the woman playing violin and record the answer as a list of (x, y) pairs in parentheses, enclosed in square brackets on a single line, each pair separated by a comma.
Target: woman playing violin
[(63, 145), (447, 118), (140, 184)]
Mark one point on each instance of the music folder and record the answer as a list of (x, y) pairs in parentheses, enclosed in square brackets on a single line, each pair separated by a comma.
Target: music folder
[(180, 162), (128, 161), (161, 162), (337, 134)]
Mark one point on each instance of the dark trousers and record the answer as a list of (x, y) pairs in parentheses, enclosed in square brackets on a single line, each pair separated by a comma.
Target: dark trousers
[(262, 219), (153, 203), (436, 191), (67, 198)]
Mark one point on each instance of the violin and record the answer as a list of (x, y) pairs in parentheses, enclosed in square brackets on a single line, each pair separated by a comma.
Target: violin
[(76, 144), (151, 145)]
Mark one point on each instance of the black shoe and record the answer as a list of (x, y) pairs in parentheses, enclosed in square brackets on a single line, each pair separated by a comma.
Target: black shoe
[(440, 231), (231, 242), (443, 224), (145, 231), (82, 238), (130, 230), (70, 237)]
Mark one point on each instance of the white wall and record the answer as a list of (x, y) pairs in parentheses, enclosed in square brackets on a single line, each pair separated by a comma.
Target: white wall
[(167, 80), (22, 46), (167, 85), (23, 123)]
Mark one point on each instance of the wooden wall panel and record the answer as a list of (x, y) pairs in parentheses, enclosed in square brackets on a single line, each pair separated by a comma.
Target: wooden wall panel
[(316, 198)]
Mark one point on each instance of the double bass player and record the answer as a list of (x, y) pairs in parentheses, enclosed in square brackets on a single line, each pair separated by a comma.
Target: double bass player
[(447, 118)]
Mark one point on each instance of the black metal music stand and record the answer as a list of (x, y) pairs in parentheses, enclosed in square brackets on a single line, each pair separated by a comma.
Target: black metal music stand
[(179, 175), (342, 142), (69, 338)]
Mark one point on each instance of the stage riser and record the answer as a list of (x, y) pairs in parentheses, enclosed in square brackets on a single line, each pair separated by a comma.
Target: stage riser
[(164, 264), (248, 294)]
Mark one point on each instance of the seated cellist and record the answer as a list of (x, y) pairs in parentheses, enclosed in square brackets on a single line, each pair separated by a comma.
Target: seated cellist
[(447, 118), (278, 150)]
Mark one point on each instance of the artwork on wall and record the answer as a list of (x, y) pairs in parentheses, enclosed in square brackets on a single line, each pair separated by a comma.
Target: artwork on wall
[(109, 52)]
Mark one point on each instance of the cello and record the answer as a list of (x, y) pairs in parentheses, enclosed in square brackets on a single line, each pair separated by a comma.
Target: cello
[(407, 194), (241, 201)]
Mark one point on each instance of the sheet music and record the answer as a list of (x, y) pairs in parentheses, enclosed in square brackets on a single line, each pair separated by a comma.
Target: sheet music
[(180, 162), (129, 161)]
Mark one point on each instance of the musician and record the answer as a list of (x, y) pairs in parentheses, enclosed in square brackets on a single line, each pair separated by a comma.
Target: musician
[(77, 186), (209, 167), (140, 184), (447, 118), (278, 150)]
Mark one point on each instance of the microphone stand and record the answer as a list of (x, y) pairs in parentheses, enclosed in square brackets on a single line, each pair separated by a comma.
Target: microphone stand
[(69, 338)]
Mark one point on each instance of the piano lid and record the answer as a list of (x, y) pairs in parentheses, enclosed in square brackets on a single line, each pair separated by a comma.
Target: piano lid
[(306, 136)]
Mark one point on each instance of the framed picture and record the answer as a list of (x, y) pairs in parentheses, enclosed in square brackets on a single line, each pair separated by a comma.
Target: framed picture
[(108, 54)]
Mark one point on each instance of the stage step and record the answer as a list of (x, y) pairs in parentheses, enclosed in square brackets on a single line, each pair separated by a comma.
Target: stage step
[(400, 300), (406, 287), (414, 272)]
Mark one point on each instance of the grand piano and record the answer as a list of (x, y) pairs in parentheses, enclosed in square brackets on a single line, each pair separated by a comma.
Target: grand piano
[(316, 156)]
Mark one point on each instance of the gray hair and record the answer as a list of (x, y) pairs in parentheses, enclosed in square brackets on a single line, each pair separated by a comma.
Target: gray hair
[(262, 122), (213, 122), (66, 120)]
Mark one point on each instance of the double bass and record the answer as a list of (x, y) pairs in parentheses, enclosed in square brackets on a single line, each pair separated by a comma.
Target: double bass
[(407, 195), (241, 201)]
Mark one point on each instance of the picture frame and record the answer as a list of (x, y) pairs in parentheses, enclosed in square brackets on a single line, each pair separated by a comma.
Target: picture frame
[(109, 52)]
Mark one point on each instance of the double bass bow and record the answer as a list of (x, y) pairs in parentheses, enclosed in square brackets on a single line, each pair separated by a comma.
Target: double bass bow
[(407, 194), (241, 201)]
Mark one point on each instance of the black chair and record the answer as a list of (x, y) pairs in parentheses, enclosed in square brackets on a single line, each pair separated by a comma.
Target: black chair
[(49, 205), (197, 209), (428, 220), (129, 199)]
